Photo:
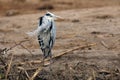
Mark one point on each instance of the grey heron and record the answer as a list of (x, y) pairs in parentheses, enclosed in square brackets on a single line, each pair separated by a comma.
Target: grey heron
[(46, 33)]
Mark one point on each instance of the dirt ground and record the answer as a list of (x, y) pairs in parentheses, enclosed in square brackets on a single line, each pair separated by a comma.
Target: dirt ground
[(81, 26)]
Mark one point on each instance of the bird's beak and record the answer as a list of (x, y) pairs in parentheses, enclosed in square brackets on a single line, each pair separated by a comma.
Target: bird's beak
[(58, 18)]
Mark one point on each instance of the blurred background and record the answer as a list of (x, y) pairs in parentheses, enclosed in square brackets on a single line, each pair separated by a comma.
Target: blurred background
[(17, 7)]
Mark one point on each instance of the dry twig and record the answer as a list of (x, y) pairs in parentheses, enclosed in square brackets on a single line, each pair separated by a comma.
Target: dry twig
[(23, 47), (58, 55), (17, 45), (25, 71)]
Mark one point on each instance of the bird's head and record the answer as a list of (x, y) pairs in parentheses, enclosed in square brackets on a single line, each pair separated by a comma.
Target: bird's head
[(52, 16)]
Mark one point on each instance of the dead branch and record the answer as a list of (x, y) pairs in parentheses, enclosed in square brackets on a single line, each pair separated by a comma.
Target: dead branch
[(17, 45), (73, 49), (66, 52), (58, 55)]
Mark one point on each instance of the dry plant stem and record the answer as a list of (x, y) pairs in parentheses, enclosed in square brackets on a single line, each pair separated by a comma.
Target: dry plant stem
[(67, 51), (22, 69), (27, 74), (26, 49), (23, 46), (17, 45), (73, 49), (35, 74), (60, 54), (9, 66)]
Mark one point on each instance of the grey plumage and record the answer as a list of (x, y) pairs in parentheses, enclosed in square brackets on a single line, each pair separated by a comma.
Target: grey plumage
[(46, 33), (46, 36)]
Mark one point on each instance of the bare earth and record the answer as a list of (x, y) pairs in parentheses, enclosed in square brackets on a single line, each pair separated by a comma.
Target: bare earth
[(100, 26)]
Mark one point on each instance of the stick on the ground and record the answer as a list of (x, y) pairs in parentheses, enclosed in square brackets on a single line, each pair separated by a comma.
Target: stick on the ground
[(65, 52), (73, 49), (22, 69), (27, 74), (60, 54)]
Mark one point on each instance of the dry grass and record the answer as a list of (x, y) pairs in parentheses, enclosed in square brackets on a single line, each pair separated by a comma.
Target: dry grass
[(79, 70)]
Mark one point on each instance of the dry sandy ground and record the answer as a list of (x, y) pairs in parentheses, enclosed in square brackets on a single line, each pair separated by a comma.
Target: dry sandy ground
[(17, 7), (80, 27)]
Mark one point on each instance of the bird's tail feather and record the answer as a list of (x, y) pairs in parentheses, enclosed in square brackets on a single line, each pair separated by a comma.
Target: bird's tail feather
[(33, 33)]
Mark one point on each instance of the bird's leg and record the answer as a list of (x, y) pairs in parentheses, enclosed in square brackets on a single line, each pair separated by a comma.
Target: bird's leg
[(50, 55), (51, 60), (44, 56), (43, 61), (44, 64)]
